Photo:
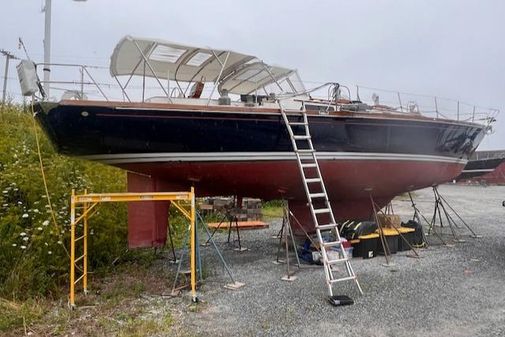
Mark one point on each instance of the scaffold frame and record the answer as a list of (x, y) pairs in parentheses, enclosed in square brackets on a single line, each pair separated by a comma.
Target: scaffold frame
[(89, 203)]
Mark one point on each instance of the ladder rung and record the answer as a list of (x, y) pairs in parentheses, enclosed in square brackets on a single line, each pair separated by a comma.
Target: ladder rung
[(297, 123), (301, 137), (312, 180), (80, 278), (326, 227), (332, 262), (348, 278), (309, 165), (80, 237), (317, 195), (322, 210), (79, 258), (332, 243)]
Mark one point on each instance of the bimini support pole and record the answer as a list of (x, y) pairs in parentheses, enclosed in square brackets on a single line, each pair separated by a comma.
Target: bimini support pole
[(146, 61), (220, 74)]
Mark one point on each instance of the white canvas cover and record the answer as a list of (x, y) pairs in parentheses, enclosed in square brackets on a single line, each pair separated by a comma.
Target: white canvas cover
[(241, 74), (253, 76)]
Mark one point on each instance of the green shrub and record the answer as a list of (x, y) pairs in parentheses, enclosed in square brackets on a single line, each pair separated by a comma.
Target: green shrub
[(33, 248)]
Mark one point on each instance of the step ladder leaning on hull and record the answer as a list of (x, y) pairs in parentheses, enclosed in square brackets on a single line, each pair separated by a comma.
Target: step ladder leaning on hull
[(316, 195)]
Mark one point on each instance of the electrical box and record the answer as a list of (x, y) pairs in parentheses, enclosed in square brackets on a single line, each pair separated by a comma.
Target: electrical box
[(28, 79)]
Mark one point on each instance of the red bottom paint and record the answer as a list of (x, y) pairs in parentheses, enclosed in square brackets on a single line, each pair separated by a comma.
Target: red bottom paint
[(147, 220), (349, 184), (497, 177)]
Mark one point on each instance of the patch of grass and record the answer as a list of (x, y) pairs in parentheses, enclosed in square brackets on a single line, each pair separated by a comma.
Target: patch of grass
[(17, 315), (122, 290), (139, 327), (117, 308), (273, 209)]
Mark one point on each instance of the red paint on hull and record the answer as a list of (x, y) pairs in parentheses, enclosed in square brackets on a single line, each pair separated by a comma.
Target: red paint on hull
[(497, 177), (348, 182), (344, 179)]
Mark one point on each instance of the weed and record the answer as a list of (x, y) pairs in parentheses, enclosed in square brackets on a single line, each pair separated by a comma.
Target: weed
[(13, 314), (33, 254), (273, 209)]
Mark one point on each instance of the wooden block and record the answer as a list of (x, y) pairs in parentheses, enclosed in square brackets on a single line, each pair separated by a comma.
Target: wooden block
[(389, 220)]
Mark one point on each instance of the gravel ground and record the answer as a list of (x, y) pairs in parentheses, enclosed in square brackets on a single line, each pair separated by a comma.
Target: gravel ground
[(449, 291)]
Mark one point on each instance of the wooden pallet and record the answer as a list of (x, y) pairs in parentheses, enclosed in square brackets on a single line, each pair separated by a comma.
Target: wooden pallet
[(241, 225)]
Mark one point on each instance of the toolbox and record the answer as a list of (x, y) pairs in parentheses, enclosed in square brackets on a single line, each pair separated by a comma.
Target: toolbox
[(365, 246)]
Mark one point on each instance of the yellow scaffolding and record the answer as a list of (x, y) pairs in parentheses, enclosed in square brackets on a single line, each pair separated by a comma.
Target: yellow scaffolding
[(89, 201)]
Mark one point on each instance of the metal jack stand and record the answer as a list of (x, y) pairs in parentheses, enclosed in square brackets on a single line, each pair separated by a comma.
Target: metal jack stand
[(232, 286), (385, 246), (387, 252), (234, 219), (286, 231), (440, 211), (418, 215), (231, 217)]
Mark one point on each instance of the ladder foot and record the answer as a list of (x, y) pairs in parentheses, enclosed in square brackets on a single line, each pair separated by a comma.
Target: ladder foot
[(234, 286), (340, 300), (289, 278)]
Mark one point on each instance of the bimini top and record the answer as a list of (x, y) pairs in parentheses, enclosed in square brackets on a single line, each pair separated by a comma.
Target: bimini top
[(238, 73)]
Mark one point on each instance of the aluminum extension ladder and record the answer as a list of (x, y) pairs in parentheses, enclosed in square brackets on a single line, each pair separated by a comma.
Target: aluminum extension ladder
[(316, 194)]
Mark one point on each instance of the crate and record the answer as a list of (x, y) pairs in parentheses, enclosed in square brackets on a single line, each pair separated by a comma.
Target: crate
[(409, 235), (391, 236), (366, 246)]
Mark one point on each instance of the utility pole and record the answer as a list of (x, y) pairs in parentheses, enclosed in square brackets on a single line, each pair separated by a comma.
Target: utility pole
[(47, 46), (8, 56)]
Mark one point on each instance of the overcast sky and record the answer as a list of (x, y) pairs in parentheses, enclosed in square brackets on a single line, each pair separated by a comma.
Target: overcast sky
[(446, 48)]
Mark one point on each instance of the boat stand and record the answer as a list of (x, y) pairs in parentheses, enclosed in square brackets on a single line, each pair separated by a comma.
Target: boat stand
[(233, 285), (418, 215), (231, 216), (286, 233), (385, 247), (443, 209), (234, 218)]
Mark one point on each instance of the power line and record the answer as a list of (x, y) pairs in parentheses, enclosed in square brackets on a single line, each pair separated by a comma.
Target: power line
[(8, 56)]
